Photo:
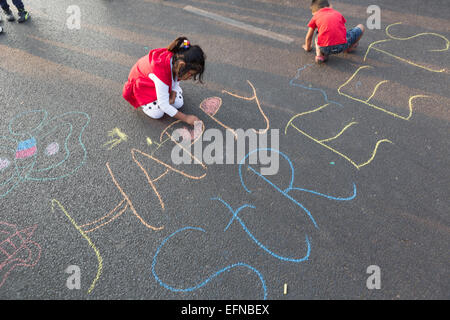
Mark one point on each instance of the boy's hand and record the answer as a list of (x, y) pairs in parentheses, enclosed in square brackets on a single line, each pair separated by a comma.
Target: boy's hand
[(306, 48)]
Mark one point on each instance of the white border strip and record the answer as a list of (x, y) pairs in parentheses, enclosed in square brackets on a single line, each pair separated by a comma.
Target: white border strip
[(238, 24)]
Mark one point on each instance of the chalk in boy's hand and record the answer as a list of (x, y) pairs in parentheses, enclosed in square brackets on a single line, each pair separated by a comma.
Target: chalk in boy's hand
[(306, 48), (332, 37)]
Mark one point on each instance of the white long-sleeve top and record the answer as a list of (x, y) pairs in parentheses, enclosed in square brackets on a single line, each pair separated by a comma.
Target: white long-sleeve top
[(163, 95)]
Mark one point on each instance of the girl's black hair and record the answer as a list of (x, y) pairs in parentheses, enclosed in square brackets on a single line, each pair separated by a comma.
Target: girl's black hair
[(319, 4), (193, 56)]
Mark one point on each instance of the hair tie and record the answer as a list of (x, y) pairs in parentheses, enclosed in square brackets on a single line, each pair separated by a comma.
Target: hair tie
[(186, 44)]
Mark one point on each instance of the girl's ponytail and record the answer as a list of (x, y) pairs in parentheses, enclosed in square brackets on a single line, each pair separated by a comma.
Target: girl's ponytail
[(192, 55), (177, 46)]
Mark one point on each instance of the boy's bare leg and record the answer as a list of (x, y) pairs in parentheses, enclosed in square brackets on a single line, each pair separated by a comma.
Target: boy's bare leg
[(320, 57), (362, 33)]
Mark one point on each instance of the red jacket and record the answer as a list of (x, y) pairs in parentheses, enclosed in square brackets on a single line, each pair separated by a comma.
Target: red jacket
[(140, 89)]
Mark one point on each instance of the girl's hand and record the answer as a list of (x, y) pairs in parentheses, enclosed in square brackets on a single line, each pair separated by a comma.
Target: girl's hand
[(306, 48), (172, 97), (191, 119), (187, 118)]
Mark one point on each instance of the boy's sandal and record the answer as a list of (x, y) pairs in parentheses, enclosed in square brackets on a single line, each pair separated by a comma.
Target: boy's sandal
[(352, 47), (321, 59)]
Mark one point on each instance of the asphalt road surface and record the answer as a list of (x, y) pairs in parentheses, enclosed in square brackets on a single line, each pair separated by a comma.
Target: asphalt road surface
[(92, 206)]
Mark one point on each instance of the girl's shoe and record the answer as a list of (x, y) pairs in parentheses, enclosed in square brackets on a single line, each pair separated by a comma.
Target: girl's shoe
[(9, 15), (321, 59), (23, 16)]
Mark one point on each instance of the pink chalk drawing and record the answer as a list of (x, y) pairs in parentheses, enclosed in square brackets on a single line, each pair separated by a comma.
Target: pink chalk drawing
[(186, 133), (52, 149), (192, 135), (211, 105), (4, 163), (16, 249)]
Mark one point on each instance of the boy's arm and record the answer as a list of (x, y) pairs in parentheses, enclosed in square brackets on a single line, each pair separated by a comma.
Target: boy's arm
[(308, 39)]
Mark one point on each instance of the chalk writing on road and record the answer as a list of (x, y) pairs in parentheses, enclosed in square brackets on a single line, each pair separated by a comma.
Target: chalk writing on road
[(83, 234), (212, 105), (323, 141), (286, 193), (377, 86), (235, 217), (391, 39), (202, 283), (118, 210)]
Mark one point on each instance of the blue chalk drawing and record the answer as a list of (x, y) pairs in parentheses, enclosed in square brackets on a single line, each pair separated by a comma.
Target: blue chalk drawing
[(203, 283), (23, 148), (27, 144), (285, 193), (291, 187), (297, 76), (235, 216)]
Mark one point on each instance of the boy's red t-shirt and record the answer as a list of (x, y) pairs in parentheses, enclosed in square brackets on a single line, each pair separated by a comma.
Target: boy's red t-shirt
[(331, 26)]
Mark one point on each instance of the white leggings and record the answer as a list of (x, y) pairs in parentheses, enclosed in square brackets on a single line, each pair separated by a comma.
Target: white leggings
[(154, 111)]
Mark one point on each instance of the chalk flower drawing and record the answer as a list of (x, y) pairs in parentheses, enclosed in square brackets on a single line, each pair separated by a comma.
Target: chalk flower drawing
[(16, 249), (41, 149)]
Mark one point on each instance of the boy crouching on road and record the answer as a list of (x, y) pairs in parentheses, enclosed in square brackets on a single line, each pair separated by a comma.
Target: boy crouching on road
[(333, 37)]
